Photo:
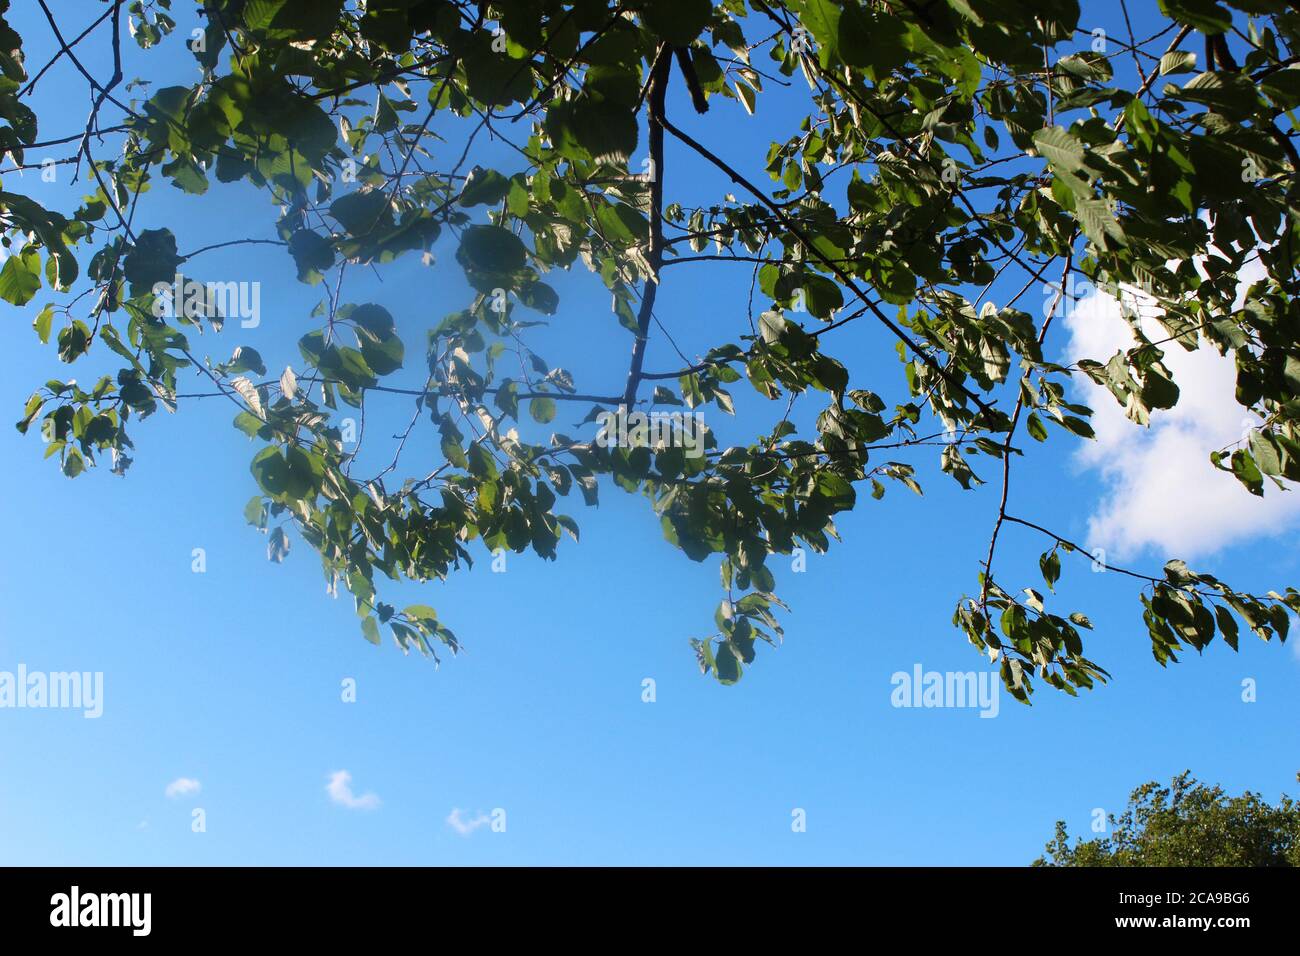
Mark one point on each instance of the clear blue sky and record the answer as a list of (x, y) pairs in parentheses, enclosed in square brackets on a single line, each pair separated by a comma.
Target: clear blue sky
[(232, 677)]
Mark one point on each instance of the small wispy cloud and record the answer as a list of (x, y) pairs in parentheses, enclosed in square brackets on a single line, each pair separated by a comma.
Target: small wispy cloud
[(465, 826), (182, 787), (340, 790)]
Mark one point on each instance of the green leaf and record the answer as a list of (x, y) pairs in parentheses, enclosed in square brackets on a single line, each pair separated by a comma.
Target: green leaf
[(542, 410), (586, 129), (271, 471), (290, 20), (421, 612), (771, 325), (483, 187), (821, 296), (20, 279), (677, 21), (250, 425), (73, 463), (726, 664), (1059, 148), (540, 296), (277, 545), (1078, 426), (153, 259), (361, 212), (1037, 430), (1177, 61), (74, 341), (370, 629), (1204, 15), (42, 323), (246, 359), (1227, 93), (312, 254), (491, 249), (1158, 390), (380, 347), (1050, 564), (255, 512)]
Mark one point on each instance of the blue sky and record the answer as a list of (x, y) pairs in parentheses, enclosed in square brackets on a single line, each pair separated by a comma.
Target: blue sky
[(232, 677)]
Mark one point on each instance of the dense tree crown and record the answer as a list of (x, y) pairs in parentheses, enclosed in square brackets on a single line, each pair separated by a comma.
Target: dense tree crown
[(940, 146), (1187, 824)]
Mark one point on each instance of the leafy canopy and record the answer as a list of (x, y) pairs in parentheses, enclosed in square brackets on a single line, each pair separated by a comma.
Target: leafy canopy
[(1188, 824), (939, 147)]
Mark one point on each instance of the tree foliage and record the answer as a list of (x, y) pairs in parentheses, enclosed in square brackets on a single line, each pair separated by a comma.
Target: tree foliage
[(1188, 824), (944, 144)]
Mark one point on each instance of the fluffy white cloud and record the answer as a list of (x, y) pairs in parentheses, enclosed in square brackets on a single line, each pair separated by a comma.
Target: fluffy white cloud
[(465, 826), (182, 787), (340, 790), (1162, 494)]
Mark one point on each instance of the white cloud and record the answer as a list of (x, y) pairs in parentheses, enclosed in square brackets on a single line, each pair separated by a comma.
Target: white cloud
[(182, 787), (340, 790), (1161, 491), (465, 826)]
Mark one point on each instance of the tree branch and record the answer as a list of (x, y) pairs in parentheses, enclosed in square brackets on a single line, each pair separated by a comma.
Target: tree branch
[(1006, 446), (829, 263), (659, 74)]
